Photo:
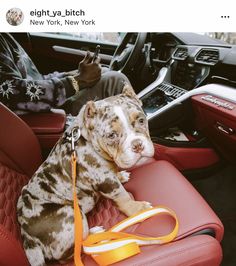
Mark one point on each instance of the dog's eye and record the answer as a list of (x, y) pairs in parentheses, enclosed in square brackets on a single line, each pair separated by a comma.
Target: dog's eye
[(112, 135), (141, 121)]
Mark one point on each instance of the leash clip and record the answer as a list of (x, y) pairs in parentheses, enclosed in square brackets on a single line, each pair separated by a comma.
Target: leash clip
[(75, 135)]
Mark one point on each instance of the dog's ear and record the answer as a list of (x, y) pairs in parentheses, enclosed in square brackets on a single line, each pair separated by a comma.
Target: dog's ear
[(89, 113), (90, 110), (85, 118), (129, 92)]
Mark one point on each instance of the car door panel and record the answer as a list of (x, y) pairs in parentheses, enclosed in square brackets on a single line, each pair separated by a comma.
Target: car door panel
[(105, 58), (51, 52)]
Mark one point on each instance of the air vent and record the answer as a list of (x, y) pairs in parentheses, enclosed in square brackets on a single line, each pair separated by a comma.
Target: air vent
[(208, 57), (181, 53)]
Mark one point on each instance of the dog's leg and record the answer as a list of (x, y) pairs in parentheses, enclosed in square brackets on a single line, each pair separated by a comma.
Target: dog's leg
[(70, 252), (113, 189), (35, 256), (33, 251), (123, 176), (52, 236), (129, 206), (62, 248)]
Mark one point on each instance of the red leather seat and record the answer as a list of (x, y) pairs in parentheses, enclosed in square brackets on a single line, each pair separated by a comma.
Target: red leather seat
[(158, 182)]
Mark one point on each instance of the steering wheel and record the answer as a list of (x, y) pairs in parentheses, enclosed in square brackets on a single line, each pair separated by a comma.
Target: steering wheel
[(126, 54)]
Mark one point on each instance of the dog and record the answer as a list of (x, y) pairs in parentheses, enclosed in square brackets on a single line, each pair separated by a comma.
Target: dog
[(14, 16), (114, 137)]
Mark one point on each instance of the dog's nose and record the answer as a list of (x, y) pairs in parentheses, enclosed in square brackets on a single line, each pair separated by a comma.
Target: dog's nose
[(137, 146)]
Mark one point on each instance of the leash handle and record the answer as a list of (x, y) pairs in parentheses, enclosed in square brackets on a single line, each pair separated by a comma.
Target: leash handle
[(113, 245)]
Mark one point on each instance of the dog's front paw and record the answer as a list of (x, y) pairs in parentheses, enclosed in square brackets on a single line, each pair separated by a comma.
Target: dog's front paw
[(136, 206), (124, 176)]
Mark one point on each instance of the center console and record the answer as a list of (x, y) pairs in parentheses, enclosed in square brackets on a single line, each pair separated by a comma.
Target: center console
[(160, 96), (188, 75), (173, 82), (172, 128)]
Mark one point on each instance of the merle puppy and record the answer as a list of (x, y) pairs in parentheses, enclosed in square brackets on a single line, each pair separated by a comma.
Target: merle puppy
[(114, 136)]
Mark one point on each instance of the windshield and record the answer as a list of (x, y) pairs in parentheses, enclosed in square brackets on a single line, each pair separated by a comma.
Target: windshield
[(228, 37)]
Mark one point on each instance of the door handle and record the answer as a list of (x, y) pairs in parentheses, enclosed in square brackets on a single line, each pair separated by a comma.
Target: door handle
[(225, 129)]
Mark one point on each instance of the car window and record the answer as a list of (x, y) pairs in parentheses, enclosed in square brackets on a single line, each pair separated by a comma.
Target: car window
[(100, 37)]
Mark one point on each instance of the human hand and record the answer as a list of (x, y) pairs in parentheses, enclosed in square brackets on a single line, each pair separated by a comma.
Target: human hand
[(89, 71)]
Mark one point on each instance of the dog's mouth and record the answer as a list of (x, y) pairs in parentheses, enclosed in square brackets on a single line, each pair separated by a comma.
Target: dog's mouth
[(128, 165), (142, 160)]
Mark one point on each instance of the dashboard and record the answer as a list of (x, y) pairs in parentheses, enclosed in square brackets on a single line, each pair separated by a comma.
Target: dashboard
[(163, 46), (189, 75), (192, 57), (192, 65), (189, 64)]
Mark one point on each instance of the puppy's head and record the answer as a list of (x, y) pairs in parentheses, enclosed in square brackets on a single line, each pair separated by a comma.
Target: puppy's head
[(117, 128)]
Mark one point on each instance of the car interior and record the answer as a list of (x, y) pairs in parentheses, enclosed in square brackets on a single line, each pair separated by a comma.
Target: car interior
[(187, 84)]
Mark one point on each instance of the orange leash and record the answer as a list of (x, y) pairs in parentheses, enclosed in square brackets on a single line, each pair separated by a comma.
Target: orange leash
[(113, 246), (78, 224)]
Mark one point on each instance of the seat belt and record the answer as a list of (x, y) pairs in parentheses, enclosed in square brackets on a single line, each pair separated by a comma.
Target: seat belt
[(113, 245)]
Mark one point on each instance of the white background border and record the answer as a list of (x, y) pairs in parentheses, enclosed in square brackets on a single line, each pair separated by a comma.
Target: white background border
[(131, 15)]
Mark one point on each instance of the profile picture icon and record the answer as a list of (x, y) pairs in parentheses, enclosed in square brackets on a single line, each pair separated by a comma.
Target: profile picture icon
[(14, 16)]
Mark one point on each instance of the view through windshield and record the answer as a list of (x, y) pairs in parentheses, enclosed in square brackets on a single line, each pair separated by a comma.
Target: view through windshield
[(228, 37)]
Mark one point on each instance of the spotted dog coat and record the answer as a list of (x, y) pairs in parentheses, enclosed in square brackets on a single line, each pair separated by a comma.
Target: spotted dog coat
[(114, 135)]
